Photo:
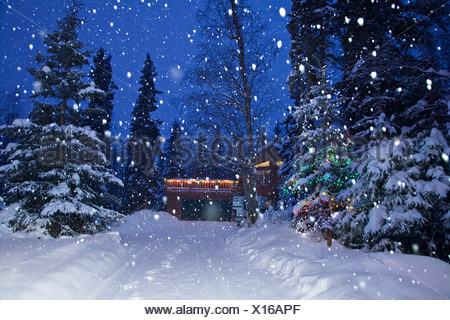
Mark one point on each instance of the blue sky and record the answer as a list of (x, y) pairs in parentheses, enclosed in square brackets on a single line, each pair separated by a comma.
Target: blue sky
[(128, 29)]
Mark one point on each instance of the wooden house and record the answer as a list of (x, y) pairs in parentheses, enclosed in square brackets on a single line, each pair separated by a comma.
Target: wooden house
[(211, 199)]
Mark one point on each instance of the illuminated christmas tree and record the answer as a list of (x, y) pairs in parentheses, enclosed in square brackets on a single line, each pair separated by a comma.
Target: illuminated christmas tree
[(321, 168)]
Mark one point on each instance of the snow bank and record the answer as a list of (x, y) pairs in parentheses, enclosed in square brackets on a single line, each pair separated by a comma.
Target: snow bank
[(310, 270), (66, 268)]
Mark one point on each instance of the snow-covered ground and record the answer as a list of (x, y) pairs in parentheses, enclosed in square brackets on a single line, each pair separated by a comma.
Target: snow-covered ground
[(155, 256)]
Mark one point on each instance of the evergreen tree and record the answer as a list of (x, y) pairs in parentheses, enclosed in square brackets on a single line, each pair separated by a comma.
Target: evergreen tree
[(141, 175), (289, 149), (312, 34), (418, 26), (56, 174), (384, 85), (173, 167), (384, 59), (61, 77), (142, 125), (10, 108), (320, 169), (277, 131), (395, 103), (98, 115), (400, 201), (55, 180), (311, 28), (396, 107), (430, 39)]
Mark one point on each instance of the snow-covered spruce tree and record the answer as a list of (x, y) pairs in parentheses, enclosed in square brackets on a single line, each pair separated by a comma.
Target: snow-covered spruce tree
[(394, 103), (310, 28), (55, 173), (144, 147), (98, 114), (378, 157), (428, 176), (382, 85), (400, 200), (55, 180), (60, 76), (321, 168), (317, 145)]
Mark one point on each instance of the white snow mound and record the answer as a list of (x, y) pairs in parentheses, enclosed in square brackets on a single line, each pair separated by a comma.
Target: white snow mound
[(154, 256)]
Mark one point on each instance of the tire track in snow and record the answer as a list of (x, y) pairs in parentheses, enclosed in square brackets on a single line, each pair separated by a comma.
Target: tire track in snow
[(109, 288), (152, 274), (191, 261), (180, 263)]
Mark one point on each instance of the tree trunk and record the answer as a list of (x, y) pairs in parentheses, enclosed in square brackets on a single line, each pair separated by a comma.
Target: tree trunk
[(249, 181), (249, 177), (63, 108)]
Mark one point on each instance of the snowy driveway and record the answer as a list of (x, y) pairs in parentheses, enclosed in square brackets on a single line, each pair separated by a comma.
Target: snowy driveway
[(155, 256), (151, 256), (173, 259)]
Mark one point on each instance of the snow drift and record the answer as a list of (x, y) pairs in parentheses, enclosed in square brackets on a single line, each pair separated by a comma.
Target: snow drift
[(155, 256)]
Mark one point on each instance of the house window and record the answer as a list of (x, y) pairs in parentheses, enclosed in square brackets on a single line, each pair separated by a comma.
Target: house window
[(263, 177)]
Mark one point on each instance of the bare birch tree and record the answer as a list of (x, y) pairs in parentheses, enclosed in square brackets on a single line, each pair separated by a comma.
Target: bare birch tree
[(231, 88)]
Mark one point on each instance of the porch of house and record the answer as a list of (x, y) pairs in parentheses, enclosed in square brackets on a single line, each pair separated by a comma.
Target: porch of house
[(193, 199)]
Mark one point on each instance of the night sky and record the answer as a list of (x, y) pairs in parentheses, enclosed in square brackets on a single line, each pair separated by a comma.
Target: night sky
[(128, 29)]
